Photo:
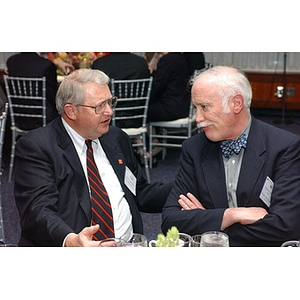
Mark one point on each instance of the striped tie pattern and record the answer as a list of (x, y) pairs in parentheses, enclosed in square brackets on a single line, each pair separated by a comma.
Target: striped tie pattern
[(101, 207)]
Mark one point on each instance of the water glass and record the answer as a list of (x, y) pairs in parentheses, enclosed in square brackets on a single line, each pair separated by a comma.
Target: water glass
[(3, 244), (136, 240), (291, 244), (214, 239), (112, 242), (185, 240), (196, 240)]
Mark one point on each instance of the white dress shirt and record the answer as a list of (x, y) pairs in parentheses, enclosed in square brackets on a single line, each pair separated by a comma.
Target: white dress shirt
[(120, 208)]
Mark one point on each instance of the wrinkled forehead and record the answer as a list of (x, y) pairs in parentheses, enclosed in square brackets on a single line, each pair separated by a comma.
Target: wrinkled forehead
[(202, 86), (96, 91)]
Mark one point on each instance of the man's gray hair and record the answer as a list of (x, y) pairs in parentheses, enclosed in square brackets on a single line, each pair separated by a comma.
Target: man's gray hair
[(72, 90), (230, 81)]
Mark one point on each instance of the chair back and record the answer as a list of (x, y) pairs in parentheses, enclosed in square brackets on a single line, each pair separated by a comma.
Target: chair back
[(3, 119), (27, 101), (133, 100), (168, 134), (3, 100), (191, 124), (130, 114)]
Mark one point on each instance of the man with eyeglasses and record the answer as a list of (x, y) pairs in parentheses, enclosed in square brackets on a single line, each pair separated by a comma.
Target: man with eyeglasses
[(52, 184)]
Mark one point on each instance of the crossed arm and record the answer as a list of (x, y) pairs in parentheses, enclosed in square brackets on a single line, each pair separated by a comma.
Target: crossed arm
[(242, 215)]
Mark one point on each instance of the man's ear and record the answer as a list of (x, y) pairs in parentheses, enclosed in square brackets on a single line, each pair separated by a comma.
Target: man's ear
[(238, 103), (70, 111)]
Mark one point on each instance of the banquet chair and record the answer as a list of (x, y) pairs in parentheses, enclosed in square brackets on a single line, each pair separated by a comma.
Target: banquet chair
[(3, 119), (171, 133), (3, 100), (130, 114), (27, 107)]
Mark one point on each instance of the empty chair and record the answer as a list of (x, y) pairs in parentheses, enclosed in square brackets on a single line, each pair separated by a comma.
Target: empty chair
[(3, 119), (130, 114), (27, 106), (171, 133)]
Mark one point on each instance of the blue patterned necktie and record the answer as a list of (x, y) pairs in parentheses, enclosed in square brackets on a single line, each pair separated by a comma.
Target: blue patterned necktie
[(233, 146)]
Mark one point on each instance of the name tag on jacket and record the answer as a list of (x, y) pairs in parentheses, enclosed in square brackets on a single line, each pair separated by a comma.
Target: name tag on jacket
[(130, 181), (266, 192)]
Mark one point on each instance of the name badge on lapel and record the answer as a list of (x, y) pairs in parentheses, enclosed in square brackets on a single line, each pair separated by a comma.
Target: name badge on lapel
[(266, 192), (130, 181)]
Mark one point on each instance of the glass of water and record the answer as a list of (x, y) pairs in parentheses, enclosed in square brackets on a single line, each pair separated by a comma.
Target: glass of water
[(214, 239), (112, 242), (137, 240), (196, 240), (291, 244)]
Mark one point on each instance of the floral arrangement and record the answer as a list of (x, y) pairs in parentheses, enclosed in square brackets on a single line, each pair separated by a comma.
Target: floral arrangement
[(79, 59), (170, 240), (82, 59)]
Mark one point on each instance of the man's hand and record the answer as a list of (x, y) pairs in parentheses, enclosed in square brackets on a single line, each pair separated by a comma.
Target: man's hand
[(83, 238), (189, 202), (64, 66), (243, 215)]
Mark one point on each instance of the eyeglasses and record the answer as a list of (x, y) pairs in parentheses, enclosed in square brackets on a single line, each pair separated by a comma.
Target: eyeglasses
[(112, 102)]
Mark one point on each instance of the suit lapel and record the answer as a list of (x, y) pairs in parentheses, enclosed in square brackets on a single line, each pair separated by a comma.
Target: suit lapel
[(119, 160), (65, 142), (214, 175), (252, 164), (115, 156)]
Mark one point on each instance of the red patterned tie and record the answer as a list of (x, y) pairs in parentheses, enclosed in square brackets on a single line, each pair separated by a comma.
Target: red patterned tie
[(101, 207)]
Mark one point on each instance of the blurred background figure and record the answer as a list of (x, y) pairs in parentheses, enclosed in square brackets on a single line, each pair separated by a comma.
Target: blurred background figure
[(61, 60), (122, 66), (32, 64), (67, 62), (195, 61), (170, 98)]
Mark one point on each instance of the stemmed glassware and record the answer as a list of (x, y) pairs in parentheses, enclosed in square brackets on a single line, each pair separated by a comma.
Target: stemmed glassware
[(214, 239)]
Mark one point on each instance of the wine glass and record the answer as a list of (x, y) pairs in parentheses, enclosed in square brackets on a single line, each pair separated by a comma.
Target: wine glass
[(291, 244), (196, 240), (3, 244), (112, 242), (136, 240), (214, 239), (184, 240)]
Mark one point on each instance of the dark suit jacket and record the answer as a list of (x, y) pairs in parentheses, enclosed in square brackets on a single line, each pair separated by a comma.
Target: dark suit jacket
[(170, 98), (30, 64), (195, 61), (51, 191), (270, 152), (122, 66)]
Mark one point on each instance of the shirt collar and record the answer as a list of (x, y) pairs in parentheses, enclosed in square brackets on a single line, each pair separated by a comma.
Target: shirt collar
[(77, 139), (247, 128)]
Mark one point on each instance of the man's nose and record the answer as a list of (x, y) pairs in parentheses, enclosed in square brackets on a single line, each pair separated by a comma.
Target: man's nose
[(199, 116)]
